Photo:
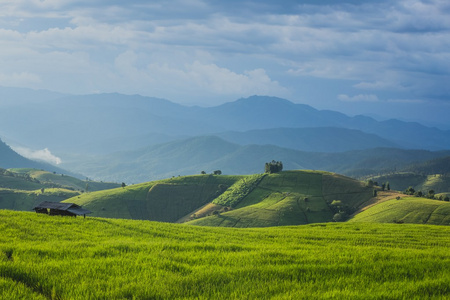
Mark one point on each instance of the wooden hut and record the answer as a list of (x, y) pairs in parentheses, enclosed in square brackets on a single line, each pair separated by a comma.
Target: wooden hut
[(61, 209)]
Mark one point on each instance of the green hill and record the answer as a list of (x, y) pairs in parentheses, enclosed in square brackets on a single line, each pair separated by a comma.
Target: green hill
[(439, 165), (22, 189), (45, 257), (440, 183), (26, 200), (293, 198), (285, 198), (164, 200), (432, 174), (407, 210), (61, 180)]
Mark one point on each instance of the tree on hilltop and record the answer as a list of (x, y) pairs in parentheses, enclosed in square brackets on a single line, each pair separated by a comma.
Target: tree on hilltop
[(273, 167)]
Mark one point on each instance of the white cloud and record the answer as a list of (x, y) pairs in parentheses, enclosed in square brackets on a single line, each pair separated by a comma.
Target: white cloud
[(42, 155), (21, 79), (358, 98), (376, 85), (223, 81), (204, 79), (407, 101), (200, 49)]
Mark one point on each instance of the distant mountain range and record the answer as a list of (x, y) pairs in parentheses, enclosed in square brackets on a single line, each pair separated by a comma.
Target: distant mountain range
[(142, 137), (101, 123), (209, 153), (318, 139)]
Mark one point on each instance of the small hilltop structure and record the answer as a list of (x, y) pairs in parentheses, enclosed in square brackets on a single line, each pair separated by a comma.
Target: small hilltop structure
[(61, 209)]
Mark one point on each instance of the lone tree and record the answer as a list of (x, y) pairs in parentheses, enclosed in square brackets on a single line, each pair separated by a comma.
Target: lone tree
[(217, 172), (410, 191), (273, 167)]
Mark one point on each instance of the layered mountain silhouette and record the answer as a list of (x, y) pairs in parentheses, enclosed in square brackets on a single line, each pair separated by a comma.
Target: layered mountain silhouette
[(209, 153), (145, 135)]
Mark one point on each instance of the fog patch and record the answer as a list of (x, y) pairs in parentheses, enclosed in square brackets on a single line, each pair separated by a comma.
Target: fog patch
[(43, 155)]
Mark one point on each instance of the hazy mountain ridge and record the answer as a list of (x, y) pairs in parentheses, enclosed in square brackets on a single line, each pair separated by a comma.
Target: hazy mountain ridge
[(316, 139), (89, 131), (209, 153), (81, 123)]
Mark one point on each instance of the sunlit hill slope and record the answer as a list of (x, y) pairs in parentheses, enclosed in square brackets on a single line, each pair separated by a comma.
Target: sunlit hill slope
[(22, 189), (285, 198)]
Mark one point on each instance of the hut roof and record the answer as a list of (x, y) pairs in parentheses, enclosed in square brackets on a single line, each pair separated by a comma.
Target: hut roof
[(70, 207)]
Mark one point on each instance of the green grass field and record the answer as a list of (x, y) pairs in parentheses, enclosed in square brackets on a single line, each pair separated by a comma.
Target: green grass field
[(407, 210), (45, 257)]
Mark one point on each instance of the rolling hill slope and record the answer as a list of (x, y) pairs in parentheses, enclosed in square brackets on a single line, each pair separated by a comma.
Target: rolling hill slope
[(407, 210), (439, 183), (22, 189), (440, 165), (164, 200), (254, 200), (292, 198)]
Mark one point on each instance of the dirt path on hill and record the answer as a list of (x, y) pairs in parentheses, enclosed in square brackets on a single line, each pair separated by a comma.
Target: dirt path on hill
[(201, 212), (382, 196)]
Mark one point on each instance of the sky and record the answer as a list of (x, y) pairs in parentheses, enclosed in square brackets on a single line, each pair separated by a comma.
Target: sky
[(387, 59)]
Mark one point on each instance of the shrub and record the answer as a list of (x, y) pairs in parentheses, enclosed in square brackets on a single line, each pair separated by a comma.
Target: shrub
[(410, 191), (340, 217)]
